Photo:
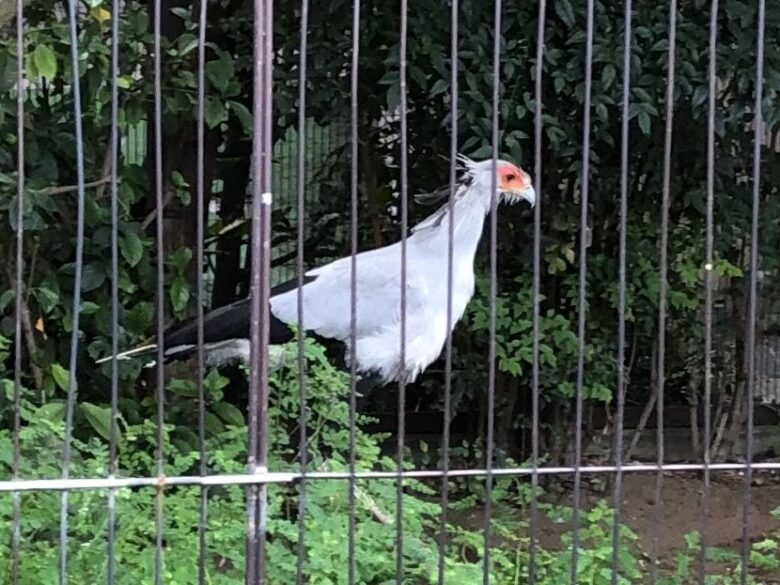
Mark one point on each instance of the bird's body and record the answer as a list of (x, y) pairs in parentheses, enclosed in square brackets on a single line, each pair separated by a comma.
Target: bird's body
[(326, 300), (327, 295)]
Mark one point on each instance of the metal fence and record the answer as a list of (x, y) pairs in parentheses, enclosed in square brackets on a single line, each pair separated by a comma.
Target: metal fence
[(266, 184)]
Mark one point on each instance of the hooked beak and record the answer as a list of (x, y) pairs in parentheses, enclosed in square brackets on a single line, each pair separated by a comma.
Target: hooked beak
[(529, 195)]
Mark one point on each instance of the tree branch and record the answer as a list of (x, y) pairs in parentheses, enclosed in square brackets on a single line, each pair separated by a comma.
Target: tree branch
[(105, 172), (153, 213), (29, 335), (71, 188)]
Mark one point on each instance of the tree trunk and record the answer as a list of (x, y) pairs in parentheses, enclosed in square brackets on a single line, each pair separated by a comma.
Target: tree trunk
[(228, 278), (648, 410)]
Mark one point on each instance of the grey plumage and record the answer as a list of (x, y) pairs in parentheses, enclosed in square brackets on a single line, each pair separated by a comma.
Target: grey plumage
[(326, 294)]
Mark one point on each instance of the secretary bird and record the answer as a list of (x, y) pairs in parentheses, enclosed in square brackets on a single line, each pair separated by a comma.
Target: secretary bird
[(326, 292)]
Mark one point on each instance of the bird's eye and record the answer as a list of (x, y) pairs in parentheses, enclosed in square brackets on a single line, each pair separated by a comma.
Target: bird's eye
[(511, 177)]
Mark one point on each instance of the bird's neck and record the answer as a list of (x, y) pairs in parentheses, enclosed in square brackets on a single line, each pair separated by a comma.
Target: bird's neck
[(469, 211), (469, 219)]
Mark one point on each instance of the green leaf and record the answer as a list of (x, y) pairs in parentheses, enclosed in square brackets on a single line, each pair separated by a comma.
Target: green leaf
[(214, 383), (213, 424), (243, 115), (601, 112), (88, 308), (390, 78), (100, 419), (53, 411), (565, 12), (6, 298), (187, 42), (229, 413), (216, 113), (92, 277), (644, 122), (220, 72), (45, 62), (180, 293), (181, 258), (182, 13), (100, 14), (183, 388), (608, 75), (184, 196), (60, 375), (139, 317), (132, 248), (700, 95), (440, 86), (178, 179), (393, 96), (67, 321), (483, 151), (47, 299)]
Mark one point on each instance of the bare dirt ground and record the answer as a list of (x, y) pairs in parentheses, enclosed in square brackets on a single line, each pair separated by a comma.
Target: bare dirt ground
[(681, 512)]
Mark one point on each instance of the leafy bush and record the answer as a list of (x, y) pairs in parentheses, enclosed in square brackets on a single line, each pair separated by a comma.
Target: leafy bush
[(326, 518), (50, 175)]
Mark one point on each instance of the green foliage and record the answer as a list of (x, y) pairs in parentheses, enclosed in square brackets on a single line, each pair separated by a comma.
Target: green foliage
[(558, 346), (327, 502), (595, 551)]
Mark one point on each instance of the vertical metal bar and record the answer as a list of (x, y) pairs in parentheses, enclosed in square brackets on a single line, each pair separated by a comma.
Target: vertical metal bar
[(278, 187), (445, 444), (404, 194), (621, 349), (708, 288), (76, 309), (664, 285), (160, 224), (582, 284), (490, 435), (262, 154), (353, 228), (16, 502), (112, 448), (301, 220), (201, 236), (537, 256), (750, 342)]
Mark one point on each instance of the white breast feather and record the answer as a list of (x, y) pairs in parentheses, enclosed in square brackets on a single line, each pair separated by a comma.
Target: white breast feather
[(327, 300)]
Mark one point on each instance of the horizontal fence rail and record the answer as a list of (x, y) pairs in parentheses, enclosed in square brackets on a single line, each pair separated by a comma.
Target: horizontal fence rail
[(266, 477)]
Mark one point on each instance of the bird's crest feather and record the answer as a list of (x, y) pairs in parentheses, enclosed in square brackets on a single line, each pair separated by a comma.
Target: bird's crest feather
[(465, 166)]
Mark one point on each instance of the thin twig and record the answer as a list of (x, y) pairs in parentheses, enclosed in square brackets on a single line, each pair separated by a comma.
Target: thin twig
[(366, 500), (693, 389), (71, 188), (371, 505), (104, 172), (30, 276), (153, 213), (648, 409), (715, 450)]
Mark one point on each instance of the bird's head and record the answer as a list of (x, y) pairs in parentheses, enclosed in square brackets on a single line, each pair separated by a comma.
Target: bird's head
[(512, 183)]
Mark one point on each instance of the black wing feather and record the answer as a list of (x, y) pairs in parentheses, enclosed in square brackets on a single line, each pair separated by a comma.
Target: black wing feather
[(231, 322)]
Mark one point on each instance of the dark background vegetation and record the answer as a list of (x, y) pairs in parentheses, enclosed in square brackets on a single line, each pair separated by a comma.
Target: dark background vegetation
[(50, 196)]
